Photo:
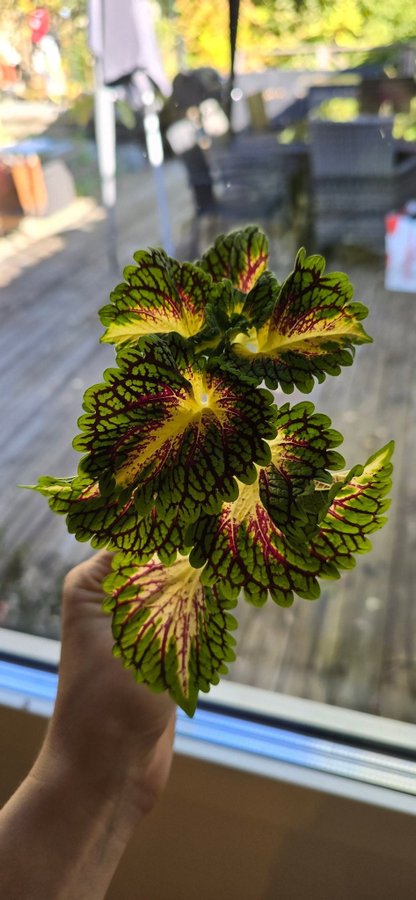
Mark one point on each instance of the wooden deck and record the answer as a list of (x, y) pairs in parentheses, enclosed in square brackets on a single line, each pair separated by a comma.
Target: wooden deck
[(356, 646)]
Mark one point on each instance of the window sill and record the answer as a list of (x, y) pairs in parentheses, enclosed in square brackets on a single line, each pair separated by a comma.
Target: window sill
[(338, 751)]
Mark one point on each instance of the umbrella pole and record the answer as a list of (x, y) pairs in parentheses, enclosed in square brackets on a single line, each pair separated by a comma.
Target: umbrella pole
[(154, 147), (105, 134)]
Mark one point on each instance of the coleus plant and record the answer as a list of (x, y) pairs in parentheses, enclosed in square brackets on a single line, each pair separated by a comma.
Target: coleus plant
[(204, 487)]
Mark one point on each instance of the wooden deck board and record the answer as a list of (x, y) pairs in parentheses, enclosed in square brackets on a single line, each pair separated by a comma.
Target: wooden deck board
[(356, 646)]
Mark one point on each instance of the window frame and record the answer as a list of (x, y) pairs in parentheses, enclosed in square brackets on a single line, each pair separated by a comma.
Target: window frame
[(339, 751)]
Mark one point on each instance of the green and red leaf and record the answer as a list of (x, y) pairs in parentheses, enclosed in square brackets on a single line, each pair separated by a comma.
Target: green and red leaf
[(160, 296), (310, 333), (240, 256), (357, 510), (107, 522), (302, 453), (170, 629), (173, 432), (246, 290), (260, 301), (243, 550)]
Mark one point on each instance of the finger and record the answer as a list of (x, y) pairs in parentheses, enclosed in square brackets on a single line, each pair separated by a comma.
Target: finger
[(88, 575)]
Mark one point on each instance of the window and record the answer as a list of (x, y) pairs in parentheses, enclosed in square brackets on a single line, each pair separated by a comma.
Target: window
[(323, 147)]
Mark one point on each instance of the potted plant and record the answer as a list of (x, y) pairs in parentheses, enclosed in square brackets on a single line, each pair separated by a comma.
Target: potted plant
[(206, 489)]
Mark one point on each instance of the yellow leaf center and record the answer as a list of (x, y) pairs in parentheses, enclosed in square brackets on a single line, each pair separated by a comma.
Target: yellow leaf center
[(163, 438)]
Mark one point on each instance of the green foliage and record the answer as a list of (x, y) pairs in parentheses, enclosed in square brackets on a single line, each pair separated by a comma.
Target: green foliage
[(277, 32), (338, 109), (204, 487), (69, 24), (404, 126)]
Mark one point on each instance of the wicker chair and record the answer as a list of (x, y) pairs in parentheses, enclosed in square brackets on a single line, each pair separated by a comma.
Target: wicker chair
[(319, 93), (246, 175), (235, 180), (356, 180)]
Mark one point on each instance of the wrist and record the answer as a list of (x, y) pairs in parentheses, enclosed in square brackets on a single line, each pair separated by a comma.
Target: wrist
[(84, 829), (106, 781)]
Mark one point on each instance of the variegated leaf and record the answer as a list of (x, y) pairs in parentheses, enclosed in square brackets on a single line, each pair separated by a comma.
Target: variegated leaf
[(160, 296), (240, 256), (173, 432), (243, 550), (170, 629), (260, 301), (356, 511), (310, 333), (107, 522), (302, 453)]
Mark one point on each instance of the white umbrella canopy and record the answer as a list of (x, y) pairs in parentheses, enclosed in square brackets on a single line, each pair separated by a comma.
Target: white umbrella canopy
[(123, 42), (122, 35)]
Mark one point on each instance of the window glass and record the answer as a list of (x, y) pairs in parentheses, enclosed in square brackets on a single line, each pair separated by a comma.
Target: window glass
[(321, 148)]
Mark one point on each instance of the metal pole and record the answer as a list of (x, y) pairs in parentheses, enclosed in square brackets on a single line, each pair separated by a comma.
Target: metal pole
[(155, 155), (105, 133)]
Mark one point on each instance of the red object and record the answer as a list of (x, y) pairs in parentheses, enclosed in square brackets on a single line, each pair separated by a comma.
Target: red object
[(391, 221), (39, 23)]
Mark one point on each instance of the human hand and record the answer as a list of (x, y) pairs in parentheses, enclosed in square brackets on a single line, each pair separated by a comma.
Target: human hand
[(112, 732), (105, 760)]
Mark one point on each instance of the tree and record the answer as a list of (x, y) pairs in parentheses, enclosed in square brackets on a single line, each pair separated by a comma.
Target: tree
[(68, 26), (270, 28)]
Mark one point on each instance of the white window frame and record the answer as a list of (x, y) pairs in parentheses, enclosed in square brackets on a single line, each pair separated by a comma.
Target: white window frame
[(307, 743)]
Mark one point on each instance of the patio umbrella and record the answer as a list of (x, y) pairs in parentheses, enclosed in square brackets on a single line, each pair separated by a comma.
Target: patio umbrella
[(127, 59)]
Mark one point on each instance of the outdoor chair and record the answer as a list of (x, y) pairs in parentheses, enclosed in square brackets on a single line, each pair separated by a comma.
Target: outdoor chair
[(246, 176), (329, 90), (355, 179), (234, 180)]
